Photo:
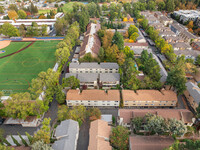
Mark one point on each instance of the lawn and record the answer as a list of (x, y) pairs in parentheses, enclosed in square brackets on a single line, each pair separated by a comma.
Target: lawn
[(68, 7), (17, 71), (13, 47), (45, 11)]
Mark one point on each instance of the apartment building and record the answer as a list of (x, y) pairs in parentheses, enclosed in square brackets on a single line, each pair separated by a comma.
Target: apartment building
[(165, 20), (67, 135), (109, 80), (91, 42), (93, 67), (181, 46), (99, 135), (149, 98), (192, 94), (173, 39), (167, 33), (187, 15), (109, 98), (125, 116)]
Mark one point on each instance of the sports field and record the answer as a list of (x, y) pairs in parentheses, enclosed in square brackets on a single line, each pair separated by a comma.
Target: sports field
[(17, 70)]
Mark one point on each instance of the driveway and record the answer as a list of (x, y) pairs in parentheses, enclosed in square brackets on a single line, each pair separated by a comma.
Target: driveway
[(181, 104), (83, 139)]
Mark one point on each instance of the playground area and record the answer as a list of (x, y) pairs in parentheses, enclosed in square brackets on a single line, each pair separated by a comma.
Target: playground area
[(22, 61)]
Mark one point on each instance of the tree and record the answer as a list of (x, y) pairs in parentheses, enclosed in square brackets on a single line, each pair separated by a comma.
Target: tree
[(170, 5), (62, 55), (176, 78), (43, 30), (13, 7), (190, 25), (44, 133), (121, 58), (22, 14), (101, 54), (60, 95), (60, 26), (151, 5), (176, 127), (119, 137), (132, 29), (40, 145), (1, 9), (111, 53), (137, 123), (118, 40), (155, 124), (23, 141), (94, 113), (78, 113), (161, 5), (3, 147), (12, 14), (22, 30), (128, 52), (71, 82), (63, 113), (134, 36), (197, 62), (107, 40)]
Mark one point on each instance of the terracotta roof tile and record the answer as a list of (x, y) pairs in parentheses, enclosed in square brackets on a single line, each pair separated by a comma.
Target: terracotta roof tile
[(97, 95), (99, 135), (150, 142), (149, 95)]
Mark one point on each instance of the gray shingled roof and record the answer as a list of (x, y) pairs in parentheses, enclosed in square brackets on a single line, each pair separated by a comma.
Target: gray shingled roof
[(193, 92), (68, 129), (109, 77), (87, 77), (109, 65), (67, 75)]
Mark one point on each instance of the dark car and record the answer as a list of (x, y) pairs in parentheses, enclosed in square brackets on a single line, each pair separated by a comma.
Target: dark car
[(1, 120)]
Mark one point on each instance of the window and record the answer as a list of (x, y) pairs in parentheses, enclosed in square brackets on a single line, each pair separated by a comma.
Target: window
[(103, 104), (108, 104), (146, 104)]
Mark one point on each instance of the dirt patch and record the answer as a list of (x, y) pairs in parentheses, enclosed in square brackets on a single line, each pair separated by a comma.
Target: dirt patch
[(4, 44)]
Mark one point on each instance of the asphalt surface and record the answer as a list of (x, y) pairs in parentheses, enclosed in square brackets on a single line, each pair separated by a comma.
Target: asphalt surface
[(83, 139)]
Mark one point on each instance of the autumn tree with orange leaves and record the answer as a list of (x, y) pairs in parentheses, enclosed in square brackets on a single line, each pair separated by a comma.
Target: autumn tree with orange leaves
[(12, 14)]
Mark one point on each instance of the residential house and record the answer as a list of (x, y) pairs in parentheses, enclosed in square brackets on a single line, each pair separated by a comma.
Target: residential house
[(93, 67), (152, 20), (196, 45), (154, 142), (181, 46), (173, 39), (176, 28), (192, 94), (99, 135), (162, 29), (67, 135), (149, 98), (91, 42), (167, 33), (93, 98), (165, 20), (188, 37), (187, 15), (125, 116), (109, 80), (187, 53), (158, 14)]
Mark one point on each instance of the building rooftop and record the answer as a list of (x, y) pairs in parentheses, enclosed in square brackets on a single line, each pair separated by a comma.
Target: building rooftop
[(96, 95), (66, 134), (109, 65), (150, 142), (194, 91), (149, 95), (94, 65), (99, 135), (87, 77), (181, 45), (178, 114), (109, 77)]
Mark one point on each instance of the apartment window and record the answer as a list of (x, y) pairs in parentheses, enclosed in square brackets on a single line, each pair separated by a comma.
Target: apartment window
[(146, 104), (152, 101), (152, 104), (108, 104), (95, 101), (126, 104), (77, 101), (88, 101), (103, 104), (88, 104), (68, 101), (116, 101), (126, 101), (86, 71)]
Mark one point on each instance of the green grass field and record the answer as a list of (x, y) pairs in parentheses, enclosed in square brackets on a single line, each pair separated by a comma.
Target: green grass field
[(68, 7), (13, 47), (17, 71), (45, 11)]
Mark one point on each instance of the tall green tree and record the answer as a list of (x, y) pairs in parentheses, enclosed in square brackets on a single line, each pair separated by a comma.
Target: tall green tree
[(22, 14), (170, 5), (9, 30), (118, 40), (40, 145), (119, 138), (71, 82)]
